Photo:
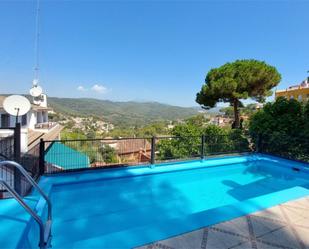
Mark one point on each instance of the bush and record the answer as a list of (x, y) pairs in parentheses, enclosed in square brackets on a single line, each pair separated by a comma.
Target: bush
[(187, 143), (283, 128)]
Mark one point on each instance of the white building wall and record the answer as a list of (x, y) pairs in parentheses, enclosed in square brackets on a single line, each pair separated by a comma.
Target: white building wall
[(32, 119), (44, 101), (24, 140)]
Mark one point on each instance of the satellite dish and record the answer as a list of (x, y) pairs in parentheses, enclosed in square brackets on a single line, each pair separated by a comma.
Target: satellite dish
[(16, 105), (36, 91)]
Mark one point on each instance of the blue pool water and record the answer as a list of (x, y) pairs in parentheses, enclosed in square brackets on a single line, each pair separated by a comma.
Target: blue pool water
[(128, 211), (131, 207)]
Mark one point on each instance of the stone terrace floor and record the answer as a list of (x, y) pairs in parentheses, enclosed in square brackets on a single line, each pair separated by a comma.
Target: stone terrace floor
[(282, 226)]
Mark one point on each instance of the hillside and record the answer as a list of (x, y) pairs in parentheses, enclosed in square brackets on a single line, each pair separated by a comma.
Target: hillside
[(121, 113)]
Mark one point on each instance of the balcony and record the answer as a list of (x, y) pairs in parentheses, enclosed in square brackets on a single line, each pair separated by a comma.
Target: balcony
[(45, 126)]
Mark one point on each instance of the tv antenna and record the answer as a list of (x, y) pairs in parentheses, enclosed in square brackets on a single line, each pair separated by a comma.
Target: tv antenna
[(16, 105), (36, 91)]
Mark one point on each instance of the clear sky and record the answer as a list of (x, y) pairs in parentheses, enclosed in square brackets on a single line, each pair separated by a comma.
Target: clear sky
[(147, 50)]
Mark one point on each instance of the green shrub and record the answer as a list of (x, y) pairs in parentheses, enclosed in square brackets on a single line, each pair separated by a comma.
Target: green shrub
[(282, 128)]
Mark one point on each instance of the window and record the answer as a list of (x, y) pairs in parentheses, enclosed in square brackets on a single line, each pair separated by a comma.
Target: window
[(300, 98), (5, 120), (291, 97), (24, 120)]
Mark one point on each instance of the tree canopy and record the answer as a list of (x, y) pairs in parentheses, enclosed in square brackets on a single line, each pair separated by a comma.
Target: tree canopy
[(238, 80)]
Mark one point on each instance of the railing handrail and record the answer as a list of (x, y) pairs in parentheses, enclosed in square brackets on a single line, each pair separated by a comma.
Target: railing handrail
[(130, 138), (45, 125), (19, 199), (30, 179), (7, 128)]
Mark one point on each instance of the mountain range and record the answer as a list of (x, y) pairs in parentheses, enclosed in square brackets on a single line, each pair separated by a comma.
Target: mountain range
[(123, 114)]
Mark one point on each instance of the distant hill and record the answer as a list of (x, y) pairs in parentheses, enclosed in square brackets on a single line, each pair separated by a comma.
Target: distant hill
[(121, 113)]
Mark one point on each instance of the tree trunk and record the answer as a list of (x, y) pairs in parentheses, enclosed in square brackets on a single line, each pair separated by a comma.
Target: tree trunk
[(236, 114)]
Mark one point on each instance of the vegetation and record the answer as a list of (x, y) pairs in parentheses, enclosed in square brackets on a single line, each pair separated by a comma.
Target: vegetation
[(188, 141), (154, 129), (247, 110), (282, 128), (121, 114), (72, 135), (241, 79)]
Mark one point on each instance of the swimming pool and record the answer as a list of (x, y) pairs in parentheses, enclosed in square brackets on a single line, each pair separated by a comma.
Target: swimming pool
[(125, 208)]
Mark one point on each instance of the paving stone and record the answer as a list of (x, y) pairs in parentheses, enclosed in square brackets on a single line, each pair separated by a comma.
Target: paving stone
[(244, 245), (285, 226), (271, 213), (300, 203), (283, 237), (156, 245), (218, 240), (261, 245), (263, 226), (303, 234), (185, 241), (237, 226), (295, 214), (303, 223)]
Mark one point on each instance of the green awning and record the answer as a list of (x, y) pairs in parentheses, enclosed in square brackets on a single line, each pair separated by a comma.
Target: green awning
[(65, 157)]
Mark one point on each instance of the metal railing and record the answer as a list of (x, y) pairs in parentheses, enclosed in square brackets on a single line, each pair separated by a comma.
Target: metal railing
[(30, 161), (10, 150), (45, 230), (68, 155), (7, 146), (45, 125), (290, 147)]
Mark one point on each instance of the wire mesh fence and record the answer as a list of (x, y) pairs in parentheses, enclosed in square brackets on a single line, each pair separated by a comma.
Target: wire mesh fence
[(6, 153), (30, 161), (7, 146), (68, 155), (10, 149), (178, 148), (290, 147)]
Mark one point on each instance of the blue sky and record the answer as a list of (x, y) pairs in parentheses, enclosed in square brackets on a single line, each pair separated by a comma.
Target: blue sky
[(147, 50)]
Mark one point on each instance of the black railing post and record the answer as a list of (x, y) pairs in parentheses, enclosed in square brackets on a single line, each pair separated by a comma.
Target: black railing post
[(42, 157), (259, 143), (153, 150), (203, 147), (17, 157)]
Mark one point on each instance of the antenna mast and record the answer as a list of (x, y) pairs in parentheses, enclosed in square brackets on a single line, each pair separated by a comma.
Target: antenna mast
[(36, 90), (36, 45)]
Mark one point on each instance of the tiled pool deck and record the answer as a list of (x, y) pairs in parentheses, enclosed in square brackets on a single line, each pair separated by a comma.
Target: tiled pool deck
[(282, 226)]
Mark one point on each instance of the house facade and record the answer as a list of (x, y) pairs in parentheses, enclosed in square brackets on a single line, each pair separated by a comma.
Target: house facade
[(299, 92), (34, 124)]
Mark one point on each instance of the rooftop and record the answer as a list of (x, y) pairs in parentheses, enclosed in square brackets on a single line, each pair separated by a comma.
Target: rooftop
[(302, 85)]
